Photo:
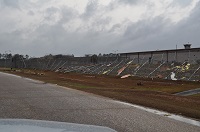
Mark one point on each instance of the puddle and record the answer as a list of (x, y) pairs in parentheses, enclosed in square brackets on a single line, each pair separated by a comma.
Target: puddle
[(162, 113), (189, 92)]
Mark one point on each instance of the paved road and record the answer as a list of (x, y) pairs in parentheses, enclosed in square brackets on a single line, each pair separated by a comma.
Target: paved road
[(28, 99), (189, 92)]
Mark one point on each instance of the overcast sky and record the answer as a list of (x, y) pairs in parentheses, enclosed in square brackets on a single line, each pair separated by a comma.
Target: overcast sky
[(40, 27)]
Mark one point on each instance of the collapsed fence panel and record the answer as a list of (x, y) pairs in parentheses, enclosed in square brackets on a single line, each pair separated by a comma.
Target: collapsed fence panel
[(147, 65)]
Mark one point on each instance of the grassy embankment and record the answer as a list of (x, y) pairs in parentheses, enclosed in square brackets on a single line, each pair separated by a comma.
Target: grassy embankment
[(155, 93)]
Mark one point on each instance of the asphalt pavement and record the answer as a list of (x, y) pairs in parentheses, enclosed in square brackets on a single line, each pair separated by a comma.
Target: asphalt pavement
[(22, 98)]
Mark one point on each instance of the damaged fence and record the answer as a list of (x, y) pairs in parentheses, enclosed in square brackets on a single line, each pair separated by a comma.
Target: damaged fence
[(154, 67)]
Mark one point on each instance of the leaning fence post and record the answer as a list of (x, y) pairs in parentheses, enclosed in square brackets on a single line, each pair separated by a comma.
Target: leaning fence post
[(193, 73)]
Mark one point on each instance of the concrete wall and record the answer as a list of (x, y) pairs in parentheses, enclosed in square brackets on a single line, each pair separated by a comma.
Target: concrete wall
[(190, 55)]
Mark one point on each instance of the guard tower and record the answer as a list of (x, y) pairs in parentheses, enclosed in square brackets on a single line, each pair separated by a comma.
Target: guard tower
[(187, 46)]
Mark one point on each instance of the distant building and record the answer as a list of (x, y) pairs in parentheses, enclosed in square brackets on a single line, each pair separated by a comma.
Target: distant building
[(188, 54)]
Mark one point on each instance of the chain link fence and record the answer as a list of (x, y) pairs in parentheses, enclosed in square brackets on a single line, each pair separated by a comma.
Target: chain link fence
[(171, 65)]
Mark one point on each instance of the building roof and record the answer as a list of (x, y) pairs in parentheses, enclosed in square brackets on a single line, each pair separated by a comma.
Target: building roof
[(160, 51)]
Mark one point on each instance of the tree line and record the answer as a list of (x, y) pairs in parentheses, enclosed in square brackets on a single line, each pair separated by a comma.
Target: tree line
[(10, 56)]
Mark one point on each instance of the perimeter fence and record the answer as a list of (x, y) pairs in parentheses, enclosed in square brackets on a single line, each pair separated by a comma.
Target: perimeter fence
[(154, 67)]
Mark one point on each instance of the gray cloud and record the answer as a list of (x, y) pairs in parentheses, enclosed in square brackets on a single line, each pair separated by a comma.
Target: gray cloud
[(68, 14), (143, 29), (90, 10), (160, 34), (181, 2), (96, 37), (10, 3), (130, 1), (50, 13), (31, 13)]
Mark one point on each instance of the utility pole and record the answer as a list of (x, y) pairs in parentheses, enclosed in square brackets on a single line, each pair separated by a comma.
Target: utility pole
[(176, 52), (115, 52)]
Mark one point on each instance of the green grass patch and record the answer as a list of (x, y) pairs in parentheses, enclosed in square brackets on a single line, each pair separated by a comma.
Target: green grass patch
[(170, 90), (77, 85)]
